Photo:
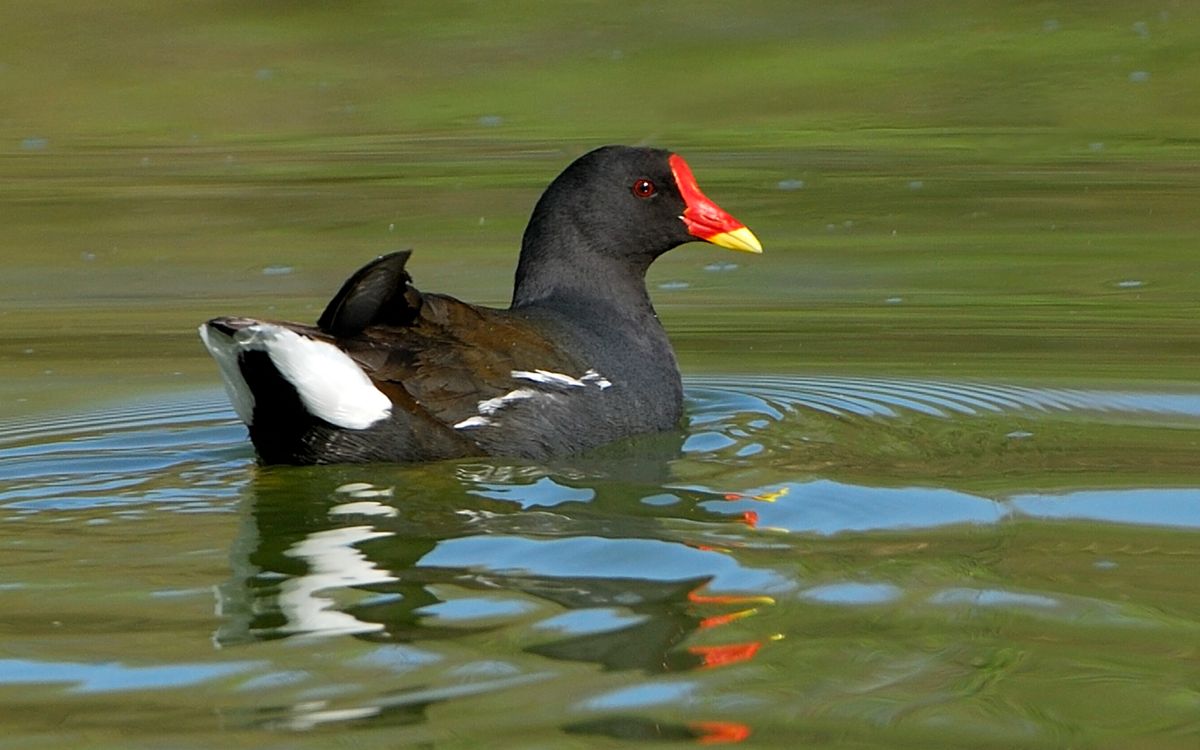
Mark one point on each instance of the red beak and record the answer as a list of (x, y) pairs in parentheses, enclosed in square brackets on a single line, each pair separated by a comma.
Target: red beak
[(705, 219)]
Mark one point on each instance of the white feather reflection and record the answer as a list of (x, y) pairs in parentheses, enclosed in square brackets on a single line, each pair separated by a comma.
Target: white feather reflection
[(334, 563)]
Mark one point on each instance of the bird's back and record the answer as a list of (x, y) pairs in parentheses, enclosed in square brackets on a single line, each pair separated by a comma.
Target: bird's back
[(440, 378)]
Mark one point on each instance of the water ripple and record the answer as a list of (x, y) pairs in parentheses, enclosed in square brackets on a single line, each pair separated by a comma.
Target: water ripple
[(175, 410), (187, 451), (887, 397), (184, 450)]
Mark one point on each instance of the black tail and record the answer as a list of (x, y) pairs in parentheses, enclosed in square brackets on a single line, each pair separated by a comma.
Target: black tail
[(380, 292)]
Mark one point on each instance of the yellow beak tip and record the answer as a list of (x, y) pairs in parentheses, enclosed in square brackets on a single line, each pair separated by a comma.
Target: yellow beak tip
[(738, 239)]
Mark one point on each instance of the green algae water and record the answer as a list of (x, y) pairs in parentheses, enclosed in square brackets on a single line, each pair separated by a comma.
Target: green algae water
[(938, 486)]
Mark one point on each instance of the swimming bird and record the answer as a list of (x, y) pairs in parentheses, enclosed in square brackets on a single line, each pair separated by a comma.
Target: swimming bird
[(579, 359)]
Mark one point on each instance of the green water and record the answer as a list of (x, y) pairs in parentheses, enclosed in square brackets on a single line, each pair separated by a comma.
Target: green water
[(939, 485)]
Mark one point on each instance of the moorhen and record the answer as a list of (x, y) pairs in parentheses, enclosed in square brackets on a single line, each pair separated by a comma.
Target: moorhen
[(579, 359)]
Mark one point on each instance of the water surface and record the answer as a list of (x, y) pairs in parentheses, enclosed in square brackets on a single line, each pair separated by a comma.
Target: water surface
[(814, 556), (938, 485)]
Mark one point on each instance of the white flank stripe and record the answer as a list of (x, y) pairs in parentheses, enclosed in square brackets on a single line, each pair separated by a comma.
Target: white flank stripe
[(490, 407), (493, 405), (472, 422), (601, 382), (561, 380), (548, 378)]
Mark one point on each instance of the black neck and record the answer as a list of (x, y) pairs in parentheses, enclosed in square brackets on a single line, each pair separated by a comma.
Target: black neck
[(567, 266)]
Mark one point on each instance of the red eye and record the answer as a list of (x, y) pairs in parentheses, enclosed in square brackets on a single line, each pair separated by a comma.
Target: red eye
[(644, 188)]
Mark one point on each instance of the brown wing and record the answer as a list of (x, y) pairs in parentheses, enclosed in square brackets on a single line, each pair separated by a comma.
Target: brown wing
[(432, 354), (454, 355)]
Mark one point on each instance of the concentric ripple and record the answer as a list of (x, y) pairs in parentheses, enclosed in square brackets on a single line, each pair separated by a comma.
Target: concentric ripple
[(183, 450), (177, 450), (890, 397), (866, 535)]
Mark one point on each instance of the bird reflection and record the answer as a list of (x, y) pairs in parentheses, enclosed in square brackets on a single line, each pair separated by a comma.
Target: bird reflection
[(322, 552), (642, 729), (307, 533)]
